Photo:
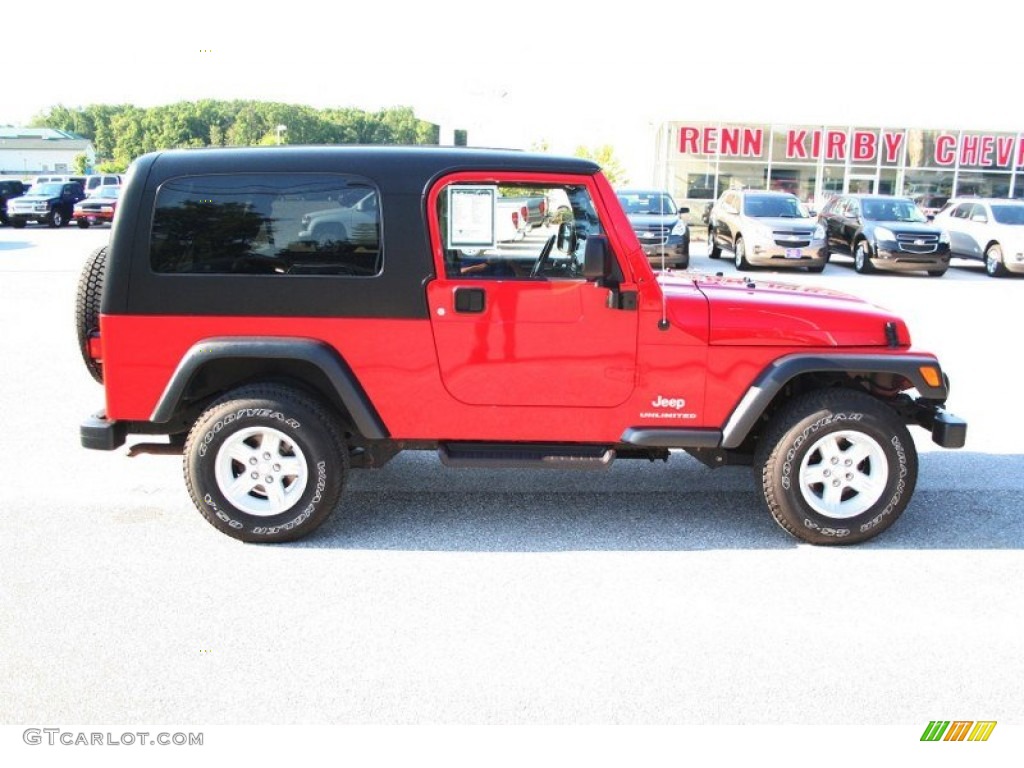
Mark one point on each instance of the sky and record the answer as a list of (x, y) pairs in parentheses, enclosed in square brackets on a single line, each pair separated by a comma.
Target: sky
[(519, 74)]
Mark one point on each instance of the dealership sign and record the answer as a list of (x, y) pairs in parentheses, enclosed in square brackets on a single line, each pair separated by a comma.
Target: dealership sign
[(856, 145)]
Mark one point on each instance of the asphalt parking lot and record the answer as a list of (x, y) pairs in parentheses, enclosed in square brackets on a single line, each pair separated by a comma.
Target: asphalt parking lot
[(647, 594)]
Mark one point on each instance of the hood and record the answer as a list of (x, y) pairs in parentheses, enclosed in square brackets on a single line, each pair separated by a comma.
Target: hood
[(762, 313), (787, 222), (644, 220), (908, 227)]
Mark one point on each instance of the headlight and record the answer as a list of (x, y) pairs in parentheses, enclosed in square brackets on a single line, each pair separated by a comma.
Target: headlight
[(679, 229), (944, 237), (819, 233), (881, 233)]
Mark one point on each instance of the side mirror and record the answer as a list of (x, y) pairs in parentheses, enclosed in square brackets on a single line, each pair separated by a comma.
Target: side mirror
[(597, 258), (929, 217), (567, 241), (683, 210)]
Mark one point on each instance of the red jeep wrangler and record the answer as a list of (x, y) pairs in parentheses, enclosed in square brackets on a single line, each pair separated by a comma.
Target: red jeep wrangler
[(286, 314)]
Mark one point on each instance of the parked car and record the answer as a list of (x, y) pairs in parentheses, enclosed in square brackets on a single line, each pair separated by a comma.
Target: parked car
[(353, 220), (930, 204), (51, 203), (99, 208), (9, 189), (59, 178), (97, 180), (765, 228), (658, 224), (884, 232), (990, 229), (275, 369)]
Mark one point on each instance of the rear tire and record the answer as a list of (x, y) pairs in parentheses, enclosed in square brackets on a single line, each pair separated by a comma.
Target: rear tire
[(862, 258), (266, 463), (82, 224), (740, 255), (936, 272), (87, 307), (714, 251), (837, 467)]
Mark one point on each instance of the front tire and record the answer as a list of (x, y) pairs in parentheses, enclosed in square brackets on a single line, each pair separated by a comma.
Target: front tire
[(266, 463), (837, 467), (56, 219), (994, 266)]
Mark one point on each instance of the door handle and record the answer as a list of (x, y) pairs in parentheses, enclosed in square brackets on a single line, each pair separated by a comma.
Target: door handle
[(469, 300)]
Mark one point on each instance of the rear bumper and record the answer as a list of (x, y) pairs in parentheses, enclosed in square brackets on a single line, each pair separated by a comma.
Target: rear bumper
[(100, 434)]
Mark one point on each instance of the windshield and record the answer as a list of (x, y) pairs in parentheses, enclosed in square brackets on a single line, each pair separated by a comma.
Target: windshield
[(893, 209), (774, 207), (46, 190), (1008, 214), (108, 192), (647, 202)]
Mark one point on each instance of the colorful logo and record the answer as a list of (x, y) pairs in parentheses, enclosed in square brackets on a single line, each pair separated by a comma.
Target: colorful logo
[(958, 730)]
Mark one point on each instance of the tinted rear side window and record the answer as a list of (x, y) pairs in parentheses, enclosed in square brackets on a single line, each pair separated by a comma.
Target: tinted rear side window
[(267, 224)]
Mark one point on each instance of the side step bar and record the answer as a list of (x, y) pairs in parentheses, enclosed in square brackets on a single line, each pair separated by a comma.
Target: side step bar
[(525, 456)]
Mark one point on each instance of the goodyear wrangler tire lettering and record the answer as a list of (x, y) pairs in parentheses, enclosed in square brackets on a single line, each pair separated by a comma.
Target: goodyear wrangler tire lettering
[(266, 463), (837, 467)]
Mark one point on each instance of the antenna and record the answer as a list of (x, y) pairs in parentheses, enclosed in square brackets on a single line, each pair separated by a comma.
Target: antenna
[(663, 325)]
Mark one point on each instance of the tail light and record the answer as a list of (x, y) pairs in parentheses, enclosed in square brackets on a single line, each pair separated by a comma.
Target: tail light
[(515, 219)]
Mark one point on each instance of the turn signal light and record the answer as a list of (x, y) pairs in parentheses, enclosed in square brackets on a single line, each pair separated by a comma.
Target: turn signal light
[(931, 375)]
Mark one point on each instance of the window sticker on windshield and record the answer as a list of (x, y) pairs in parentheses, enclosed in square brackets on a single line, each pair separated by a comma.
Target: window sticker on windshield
[(471, 217)]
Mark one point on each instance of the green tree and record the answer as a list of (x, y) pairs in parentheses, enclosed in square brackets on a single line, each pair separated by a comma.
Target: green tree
[(81, 164), (604, 156), (122, 132)]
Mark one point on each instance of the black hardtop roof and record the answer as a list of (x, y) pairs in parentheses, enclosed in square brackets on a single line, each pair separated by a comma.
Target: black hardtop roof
[(398, 168)]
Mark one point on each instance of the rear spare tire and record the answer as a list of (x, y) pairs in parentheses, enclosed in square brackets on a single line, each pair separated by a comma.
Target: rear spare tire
[(87, 307)]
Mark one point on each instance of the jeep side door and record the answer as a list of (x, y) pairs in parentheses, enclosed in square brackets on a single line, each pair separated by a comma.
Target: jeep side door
[(517, 324)]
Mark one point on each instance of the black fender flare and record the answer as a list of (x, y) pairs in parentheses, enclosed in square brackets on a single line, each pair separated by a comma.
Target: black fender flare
[(317, 353), (773, 378)]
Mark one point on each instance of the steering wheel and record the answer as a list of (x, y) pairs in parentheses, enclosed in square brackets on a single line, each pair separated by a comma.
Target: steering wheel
[(542, 259)]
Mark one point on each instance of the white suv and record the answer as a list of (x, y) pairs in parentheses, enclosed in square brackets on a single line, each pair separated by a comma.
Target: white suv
[(766, 229), (991, 229)]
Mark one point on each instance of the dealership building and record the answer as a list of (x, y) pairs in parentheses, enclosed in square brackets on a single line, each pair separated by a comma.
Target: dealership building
[(697, 161)]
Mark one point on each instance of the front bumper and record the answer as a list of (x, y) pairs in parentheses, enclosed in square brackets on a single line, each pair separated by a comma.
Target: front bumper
[(774, 255), (94, 217), (889, 256), (675, 249)]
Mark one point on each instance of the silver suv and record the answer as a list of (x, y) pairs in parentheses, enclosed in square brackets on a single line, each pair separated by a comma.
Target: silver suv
[(988, 229), (766, 229)]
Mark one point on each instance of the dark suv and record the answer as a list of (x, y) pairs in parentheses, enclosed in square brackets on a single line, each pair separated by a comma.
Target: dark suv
[(52, 203), (9, 189), (884, 232), (276, 359), (658, 225)]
